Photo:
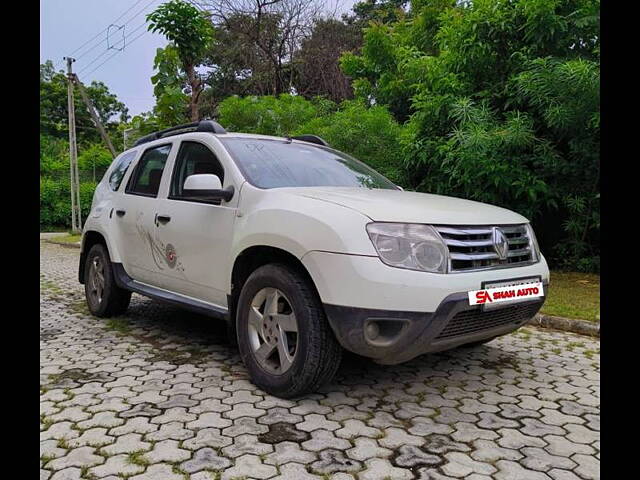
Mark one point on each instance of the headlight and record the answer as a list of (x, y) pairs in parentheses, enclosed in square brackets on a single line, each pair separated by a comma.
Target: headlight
[(410, 246), (533, 244)]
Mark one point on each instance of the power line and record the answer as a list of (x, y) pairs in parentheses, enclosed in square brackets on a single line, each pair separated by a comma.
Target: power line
[(114, 54), (106, 29), (101, 32), (107, 50)]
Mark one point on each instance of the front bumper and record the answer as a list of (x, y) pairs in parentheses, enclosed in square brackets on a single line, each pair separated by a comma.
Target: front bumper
[(391, 337), (415, 312)]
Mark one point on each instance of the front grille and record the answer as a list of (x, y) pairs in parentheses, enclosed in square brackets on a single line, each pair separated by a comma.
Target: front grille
[(473, 321), (472, 248)]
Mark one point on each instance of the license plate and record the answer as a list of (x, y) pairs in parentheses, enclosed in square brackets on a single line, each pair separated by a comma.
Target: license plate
[(504, 292)]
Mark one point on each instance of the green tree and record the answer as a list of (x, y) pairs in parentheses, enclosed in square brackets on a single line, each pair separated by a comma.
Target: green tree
[(190, 33), (501, 104), (53, 107)]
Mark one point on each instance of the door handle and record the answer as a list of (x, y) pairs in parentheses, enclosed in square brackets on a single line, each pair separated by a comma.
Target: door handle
[(162, 219), (120, 213)]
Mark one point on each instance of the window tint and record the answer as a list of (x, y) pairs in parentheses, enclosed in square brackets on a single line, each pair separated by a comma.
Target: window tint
[(120, 169), (148, 173), (273, 163), (193, 158)]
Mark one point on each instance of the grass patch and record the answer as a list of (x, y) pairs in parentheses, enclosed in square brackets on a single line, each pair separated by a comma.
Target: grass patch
[(68, 239), (138, 458), (119, 324), (573, 295)]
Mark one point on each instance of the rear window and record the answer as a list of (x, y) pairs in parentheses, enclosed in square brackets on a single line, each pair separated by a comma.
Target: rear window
[(120, 169)]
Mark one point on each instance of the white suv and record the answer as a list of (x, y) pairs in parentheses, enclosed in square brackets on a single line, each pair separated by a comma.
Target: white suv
[(304, 251)]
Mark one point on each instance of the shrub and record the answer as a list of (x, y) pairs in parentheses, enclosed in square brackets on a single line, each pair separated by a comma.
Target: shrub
[(266, 115), (55, 202), (368, 133)]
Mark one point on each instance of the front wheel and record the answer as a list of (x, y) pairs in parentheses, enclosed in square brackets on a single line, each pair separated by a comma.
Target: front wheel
[(284, 338), (104, 297)]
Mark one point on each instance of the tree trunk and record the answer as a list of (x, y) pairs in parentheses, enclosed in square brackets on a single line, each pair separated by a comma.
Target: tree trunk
[(196, 88)]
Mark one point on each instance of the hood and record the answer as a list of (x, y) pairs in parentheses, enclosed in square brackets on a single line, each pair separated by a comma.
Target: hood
[(410, 207)]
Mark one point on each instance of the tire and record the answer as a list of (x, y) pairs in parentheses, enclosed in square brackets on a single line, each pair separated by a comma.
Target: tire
[(113, 300), (316, 353)]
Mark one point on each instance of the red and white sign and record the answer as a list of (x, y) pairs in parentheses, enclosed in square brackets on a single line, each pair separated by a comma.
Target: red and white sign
[(506, 294)]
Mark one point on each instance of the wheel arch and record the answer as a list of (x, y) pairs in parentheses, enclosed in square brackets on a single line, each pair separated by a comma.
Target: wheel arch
[(89, 239), (254, 257)]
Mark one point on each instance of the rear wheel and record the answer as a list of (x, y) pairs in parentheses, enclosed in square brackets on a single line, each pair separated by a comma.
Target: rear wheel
[(104, 297), (284, 338)]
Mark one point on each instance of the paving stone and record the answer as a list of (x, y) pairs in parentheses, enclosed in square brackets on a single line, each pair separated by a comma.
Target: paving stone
[(511, 438), (71, 473), (316, 422), (538, 459), (77, 457), (509, 470), (461, 465), (489, 452), (332, 460), (158, 472), (167, 451), (49, 448), (134, 425), (295, 471), (129, 443), (366, 448), (279, 415), (410, 456), (286, 452), (72, 414), (116, 465), (246, 444), (207, 437), (468, 432), (93, 437), (323, 439), (561, 446), (101, 419), (395, 437), (356, 428), (244, 425), (519, 408), (440, 444), (249, 466), (381, 469), (588, 466), (581, 434), (205, 458)]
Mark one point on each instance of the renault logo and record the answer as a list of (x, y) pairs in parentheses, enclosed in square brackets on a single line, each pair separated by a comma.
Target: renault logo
[(500, 243)]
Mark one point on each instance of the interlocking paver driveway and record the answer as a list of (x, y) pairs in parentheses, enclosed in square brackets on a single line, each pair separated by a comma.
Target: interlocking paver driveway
[(160, 394)]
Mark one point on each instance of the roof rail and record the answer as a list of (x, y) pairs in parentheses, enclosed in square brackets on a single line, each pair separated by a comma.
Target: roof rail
[(201, 126), (311, 139)]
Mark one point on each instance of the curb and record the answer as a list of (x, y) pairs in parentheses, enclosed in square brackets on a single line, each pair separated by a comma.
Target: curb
[(582, 327), (64, 244)]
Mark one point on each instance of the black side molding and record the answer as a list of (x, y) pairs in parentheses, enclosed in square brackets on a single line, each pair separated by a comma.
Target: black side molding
[(123, 280)]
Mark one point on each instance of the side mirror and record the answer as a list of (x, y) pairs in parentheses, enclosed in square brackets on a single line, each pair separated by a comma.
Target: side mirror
[(400, 188), (206, 186)]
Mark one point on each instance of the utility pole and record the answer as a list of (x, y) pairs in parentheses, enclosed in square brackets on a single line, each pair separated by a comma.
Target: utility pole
[(76, 220), (94, 115)]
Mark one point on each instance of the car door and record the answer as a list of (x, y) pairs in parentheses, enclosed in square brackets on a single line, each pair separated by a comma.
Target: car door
[(196, 234), (134, 216)]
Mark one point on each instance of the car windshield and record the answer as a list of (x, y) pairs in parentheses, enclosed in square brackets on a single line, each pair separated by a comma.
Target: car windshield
[(274, 163)]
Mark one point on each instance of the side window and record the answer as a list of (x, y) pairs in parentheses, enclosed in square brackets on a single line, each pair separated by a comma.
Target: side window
[(193, 158), (145, 179), (120, 169)]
